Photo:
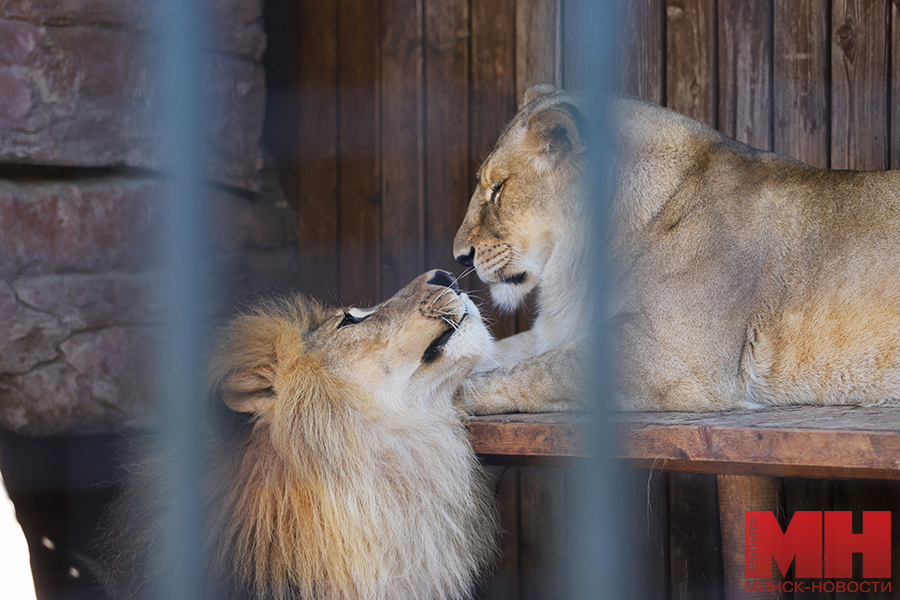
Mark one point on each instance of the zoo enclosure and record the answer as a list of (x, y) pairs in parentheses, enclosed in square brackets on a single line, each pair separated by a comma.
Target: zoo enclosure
[(389, 106)]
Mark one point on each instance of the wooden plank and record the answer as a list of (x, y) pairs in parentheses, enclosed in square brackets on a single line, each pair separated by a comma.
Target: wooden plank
[(492, 105), (859, 496), (836, 419), (645, 503), (691, 59), (808, 494), (895, 85), (837, 441), (796, 441), (402, 144), (503, 583), (547, 435), (802, 68), (538, 44), (542, 522), (694, 537), (747, 468), (859, 75), (641, 60), (447, 183), (359, 175), (738, 494), (570, 36), (280, 61), (745, 71), (315, 191), (493, 76)]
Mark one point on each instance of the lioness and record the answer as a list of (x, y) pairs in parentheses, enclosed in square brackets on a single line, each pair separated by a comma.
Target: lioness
[(352, 476), (743, 278)]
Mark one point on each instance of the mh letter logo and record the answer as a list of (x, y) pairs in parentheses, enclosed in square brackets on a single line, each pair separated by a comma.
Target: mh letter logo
[(814, 546)]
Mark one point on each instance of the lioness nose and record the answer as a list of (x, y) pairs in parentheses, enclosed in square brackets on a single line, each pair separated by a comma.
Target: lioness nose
[(445, 279), (467, 260)]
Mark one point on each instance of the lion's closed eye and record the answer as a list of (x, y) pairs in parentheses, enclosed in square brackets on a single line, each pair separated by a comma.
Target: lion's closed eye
[(352, 316), (351, 320)]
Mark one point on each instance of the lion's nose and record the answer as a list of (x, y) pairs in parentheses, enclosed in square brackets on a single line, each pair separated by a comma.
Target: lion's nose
[(467, 260), (445, 279)]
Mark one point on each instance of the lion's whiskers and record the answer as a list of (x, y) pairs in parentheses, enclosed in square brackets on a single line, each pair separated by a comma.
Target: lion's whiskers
[(455, 282)]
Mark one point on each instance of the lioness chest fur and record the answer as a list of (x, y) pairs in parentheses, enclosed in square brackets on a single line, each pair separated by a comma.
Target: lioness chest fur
[(743, 278), (352, 477)]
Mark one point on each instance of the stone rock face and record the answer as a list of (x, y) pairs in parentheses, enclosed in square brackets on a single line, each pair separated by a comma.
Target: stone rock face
[(99, 381), (235, 26), (81, 205), (79, 87), (79, 226), (81, 294), (113, 224)]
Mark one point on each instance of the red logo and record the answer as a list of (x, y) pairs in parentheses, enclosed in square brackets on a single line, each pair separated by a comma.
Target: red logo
[(821, 547)]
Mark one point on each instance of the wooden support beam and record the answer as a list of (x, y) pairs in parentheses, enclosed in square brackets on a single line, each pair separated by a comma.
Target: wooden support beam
[(737, 494)]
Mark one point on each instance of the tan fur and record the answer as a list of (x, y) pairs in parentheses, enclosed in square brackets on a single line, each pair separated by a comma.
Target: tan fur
[(743, 278), (535, 228), (355, 478)]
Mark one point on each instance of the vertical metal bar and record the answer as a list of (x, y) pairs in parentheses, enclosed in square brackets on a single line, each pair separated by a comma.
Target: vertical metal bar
[(602, 558), (181, 27)]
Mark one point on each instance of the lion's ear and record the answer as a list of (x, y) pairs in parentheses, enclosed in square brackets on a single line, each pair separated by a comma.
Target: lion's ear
[(255, 350), (537, 91), (242, 368), (247, 392), (554, 133)]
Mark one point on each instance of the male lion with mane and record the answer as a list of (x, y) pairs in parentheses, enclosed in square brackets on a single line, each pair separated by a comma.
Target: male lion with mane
[(743, 278), (352, 476)]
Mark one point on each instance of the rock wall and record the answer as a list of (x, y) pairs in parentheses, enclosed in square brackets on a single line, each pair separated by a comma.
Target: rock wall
[(78, 86), (81, 203)]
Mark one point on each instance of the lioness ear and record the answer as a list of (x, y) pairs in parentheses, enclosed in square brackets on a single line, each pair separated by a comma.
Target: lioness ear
[(554, 133), (537, 91)]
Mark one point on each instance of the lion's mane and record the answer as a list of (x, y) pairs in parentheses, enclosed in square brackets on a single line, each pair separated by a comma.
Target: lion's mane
[(321, 493)]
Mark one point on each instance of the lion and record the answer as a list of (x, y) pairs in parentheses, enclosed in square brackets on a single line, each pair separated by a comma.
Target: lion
[(742, 278), (350, 475)]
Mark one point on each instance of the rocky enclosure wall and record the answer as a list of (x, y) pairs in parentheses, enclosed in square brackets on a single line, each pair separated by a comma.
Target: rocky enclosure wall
[(81, 200)]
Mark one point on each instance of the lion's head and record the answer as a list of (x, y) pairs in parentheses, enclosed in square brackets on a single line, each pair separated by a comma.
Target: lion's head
[(415, 347), (353, 476), (528, 203)]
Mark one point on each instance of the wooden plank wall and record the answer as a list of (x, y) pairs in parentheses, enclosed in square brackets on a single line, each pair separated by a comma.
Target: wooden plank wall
[(382, 110)]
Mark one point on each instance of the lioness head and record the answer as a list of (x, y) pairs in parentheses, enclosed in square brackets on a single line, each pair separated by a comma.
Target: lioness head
[(419, 343), (527, 197)]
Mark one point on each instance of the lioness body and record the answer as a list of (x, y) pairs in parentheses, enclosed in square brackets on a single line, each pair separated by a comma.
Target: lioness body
[(354, 478), (742, 277)]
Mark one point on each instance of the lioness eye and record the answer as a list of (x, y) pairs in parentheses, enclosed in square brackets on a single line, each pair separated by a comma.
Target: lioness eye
[(495, 191), (350, 320)]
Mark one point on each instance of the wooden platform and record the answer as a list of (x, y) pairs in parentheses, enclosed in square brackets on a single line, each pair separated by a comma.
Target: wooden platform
[(748, 451), (546, 438), (799, 441)]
